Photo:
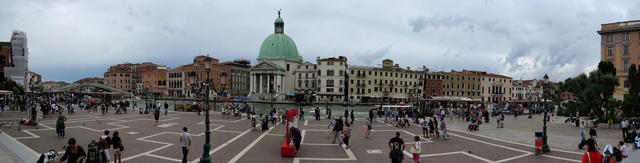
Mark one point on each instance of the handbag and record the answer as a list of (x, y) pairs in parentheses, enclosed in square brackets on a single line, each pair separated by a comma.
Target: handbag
[(414, 150), (107, 156)]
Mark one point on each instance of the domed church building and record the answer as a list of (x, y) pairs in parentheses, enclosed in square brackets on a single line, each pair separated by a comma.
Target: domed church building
[(273, 76)]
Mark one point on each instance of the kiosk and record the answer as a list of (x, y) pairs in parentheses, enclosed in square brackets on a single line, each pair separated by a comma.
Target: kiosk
[(287, 149)]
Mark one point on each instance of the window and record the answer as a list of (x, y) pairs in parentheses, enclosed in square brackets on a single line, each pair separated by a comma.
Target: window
[(329, 89), (626, 83), (287, 67), (610, 38), (351, 81), (329, 72), (610, 51), (299, 83), (626, 36), (626, 50), (319, 73), (341, 72), (626, 64)]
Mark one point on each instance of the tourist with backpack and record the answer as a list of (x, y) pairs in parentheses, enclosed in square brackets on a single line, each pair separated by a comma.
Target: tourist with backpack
[(94, 152), (106, 138), (367, 125), (73, 153), (396, 144), (117, 147)]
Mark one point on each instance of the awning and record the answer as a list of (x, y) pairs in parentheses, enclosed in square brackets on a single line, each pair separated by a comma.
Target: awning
[(5, 92)]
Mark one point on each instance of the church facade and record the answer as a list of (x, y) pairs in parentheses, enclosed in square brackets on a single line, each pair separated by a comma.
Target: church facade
[(273, 76)]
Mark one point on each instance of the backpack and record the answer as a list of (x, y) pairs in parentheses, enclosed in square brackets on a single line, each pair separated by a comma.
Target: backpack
[(93, 152), (396, 153)]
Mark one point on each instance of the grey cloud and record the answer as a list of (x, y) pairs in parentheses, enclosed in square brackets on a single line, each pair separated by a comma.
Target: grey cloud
[(371, 57), (555, 37)]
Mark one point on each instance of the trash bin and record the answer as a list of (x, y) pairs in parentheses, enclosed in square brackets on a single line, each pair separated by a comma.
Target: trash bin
[(538, 142)]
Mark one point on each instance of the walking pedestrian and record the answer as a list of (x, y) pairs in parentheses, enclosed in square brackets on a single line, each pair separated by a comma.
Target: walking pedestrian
[(301, 112), (156, 115), (332, 124), (328, 113), (443, 127), (346, 115), (593, 135), (625, 128), (347, 134), (367, 126), (166, 108), (416, 149), (425, 127), (431, 128), (117, 147), (106, 138), (396, 144), (352, 117), (60, 125), (337, 130), (185, 142), (73, 153), (316, 112)]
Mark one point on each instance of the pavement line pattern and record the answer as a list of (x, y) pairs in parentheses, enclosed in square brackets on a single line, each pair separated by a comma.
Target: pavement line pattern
[(350, 155), (224, 144), (527, 145), (163, 157), (247, 148), (165, 144), (476, 157), (513, 158), (561, 158), (119, 127)]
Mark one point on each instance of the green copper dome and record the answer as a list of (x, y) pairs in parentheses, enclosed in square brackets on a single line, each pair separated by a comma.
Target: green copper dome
[(278, 45), (279, 20)]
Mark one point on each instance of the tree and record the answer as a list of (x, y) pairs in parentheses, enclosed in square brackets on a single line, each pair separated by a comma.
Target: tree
[(607, 67), (634, 80), (631, 101)]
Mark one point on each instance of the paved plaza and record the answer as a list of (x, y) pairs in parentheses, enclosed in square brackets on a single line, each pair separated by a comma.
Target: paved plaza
[(234, 141)]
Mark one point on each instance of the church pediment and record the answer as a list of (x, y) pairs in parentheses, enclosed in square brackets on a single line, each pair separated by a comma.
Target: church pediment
[(266, 66)]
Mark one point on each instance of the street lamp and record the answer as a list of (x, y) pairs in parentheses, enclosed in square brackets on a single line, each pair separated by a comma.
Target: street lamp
[(545, 87), (207, 145)]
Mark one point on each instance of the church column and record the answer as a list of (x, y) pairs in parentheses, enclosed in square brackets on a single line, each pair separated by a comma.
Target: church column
[(279, 79), (259, 83), (251, 83), (269, 82)]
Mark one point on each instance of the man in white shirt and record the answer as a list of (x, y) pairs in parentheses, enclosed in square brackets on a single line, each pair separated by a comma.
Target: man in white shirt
[(185, 142), (625, 128)]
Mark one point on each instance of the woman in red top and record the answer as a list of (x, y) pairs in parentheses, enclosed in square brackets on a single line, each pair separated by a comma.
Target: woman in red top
[(592, 155)]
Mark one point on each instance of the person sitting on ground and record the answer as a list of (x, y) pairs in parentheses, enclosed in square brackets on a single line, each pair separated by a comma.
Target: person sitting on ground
[(623, 149), (73, 153)]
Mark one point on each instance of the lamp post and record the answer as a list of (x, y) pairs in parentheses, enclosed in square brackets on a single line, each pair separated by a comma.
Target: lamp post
[(207, 145), (545, 146)]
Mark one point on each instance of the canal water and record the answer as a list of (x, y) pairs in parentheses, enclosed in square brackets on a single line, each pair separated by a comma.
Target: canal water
[(337, 110)]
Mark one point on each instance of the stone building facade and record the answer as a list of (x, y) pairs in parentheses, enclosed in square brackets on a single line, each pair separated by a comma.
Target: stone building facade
[(386, 84)]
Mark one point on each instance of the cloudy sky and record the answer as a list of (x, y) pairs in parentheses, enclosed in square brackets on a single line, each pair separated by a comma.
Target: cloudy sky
[(73, 39)]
